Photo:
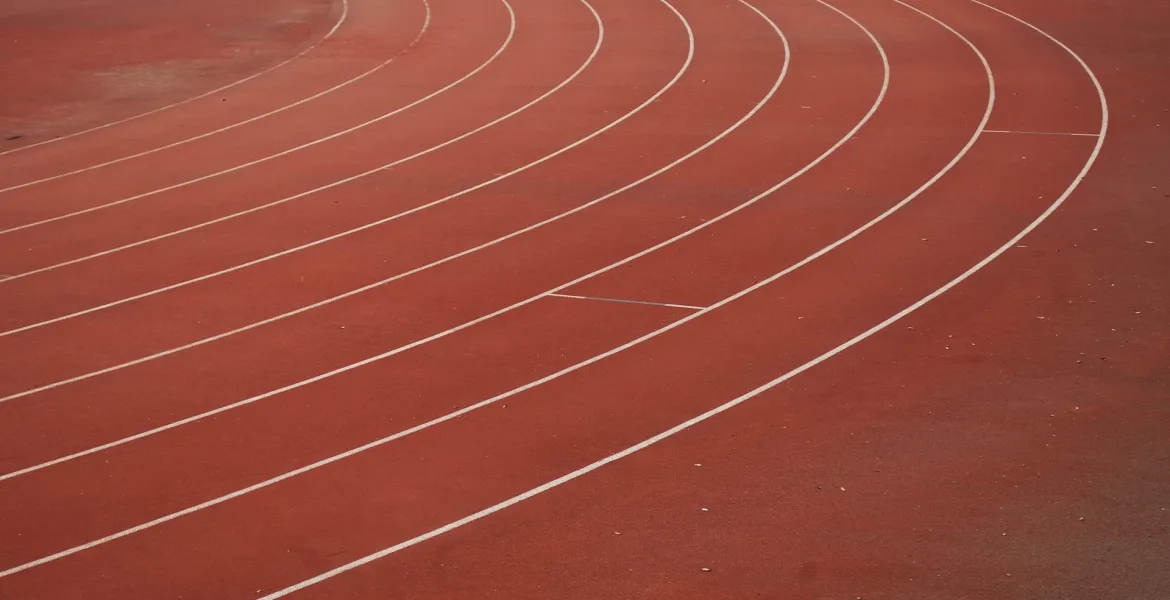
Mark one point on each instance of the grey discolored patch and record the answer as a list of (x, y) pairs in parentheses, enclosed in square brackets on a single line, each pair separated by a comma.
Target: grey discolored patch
[(147, 79)]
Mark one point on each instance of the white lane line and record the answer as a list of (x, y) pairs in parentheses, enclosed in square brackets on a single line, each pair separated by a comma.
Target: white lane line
[(413, 42), (383, 117), (372, 359), (623, 301), (749, 395), (329, 34), (1040, 132), (307, 468)]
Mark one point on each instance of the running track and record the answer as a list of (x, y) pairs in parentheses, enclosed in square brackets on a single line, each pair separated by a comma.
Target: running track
[(604, 299)]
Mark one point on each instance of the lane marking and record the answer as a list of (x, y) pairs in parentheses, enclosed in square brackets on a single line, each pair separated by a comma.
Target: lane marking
[(413, 42), (1040, 132), (307, 468), (239, 167), (749, 395), (329, 34), (623, 301)]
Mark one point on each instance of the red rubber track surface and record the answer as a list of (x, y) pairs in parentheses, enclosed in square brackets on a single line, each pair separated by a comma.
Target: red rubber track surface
[(1004, 440)]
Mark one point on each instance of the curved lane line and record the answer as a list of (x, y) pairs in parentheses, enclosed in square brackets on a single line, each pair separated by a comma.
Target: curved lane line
[(413, 42), (329, 34), (756, 392), (240, 167)]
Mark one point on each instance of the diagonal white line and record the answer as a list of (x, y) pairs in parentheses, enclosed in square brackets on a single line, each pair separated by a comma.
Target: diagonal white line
[(1041, 132), (624, 301)]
